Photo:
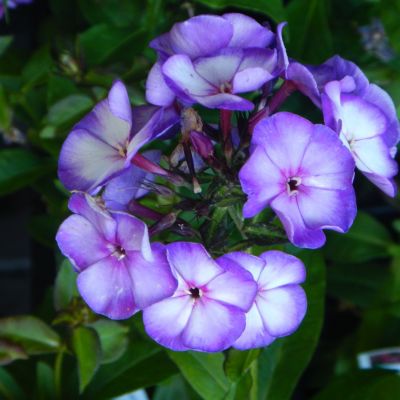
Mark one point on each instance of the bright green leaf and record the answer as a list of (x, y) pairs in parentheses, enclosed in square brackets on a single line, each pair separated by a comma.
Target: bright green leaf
[(113, 339), (204, 372), (238, 362), (45, 381), (65, 285), (86, 346), (31, 333)]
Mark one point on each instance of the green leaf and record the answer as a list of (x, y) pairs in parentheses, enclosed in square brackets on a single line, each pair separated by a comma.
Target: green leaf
[(65, 285), (308, 19), (5, 111), (116, 43), (5, 42), (38, 66), (58, 88), (204, 372), (272, 8), (45, 382), (366, 240), (86, 346), (237, 362), (281, 364), (173, 389), (69, 109), (31, 333), (10, 351), (9, 388), (113, 339), (19, 167), (362, 385)]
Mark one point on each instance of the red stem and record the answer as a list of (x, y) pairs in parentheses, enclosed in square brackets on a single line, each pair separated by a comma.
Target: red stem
[(226, 127)]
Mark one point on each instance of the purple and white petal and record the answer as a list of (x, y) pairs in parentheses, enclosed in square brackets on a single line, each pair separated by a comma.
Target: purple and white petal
[(192, 262), (253, 264), (106, 287), (282, 309), (165, 321), (213, 326), (247, 32), (254, 335), (235, 286), (152, 281), (280, 269), (71, 235), (157, 91), (200, 36)]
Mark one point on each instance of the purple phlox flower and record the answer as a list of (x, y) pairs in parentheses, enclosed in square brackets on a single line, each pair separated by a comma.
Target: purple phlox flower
[(304, 173), (207, 311), (280, 303), (133, 183), (104, 142), (368, 126), (119, 271), (227, 44)]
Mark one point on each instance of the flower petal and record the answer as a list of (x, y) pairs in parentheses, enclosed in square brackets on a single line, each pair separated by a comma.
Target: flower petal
[(281, 269), (235, 286), (193, 263), (298, 233), (164, 321), (247, 32), (118, 101), (152, 281), (157, 91), (282, 309), (249, 262), (107, 288), (254, 335), (213, 326), (78, 240), (86, 161)]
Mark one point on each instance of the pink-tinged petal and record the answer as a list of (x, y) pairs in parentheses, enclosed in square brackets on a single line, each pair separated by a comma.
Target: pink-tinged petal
[(107, 288), (235, 286), (152, 281), (119, 103), (298, 233), (247, 32), (87, 206), (249, 262), (261, 180), (280, 269), (157, 91), (325, 208), (132, 234), (282, 309), (200, 36), (164, 321), (193, 263), (78, 240), (86, 162), (254, 335), (360, 119), (182, 76), (219, 69), (213, 326), (130, 185), (327, 163), (225, 101), (250, 79), (285, 137)]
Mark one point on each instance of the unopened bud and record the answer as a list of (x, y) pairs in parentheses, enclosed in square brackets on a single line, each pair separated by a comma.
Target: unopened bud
[(201, 144)]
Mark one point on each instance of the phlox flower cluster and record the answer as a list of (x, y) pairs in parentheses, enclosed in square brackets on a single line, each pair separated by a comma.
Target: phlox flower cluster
[(303, 171)]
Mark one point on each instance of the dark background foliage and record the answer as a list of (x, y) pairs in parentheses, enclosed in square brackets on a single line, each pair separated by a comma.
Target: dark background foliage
[(57, 59)]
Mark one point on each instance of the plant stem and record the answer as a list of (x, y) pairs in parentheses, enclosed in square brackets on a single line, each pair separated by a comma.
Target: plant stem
[(58, 373)]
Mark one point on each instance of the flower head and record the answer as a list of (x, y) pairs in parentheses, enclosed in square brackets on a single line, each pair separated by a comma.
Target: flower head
[(220, 56), (207, 311), (280, 303), (304, 173), (104, 142), (119, 272)]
